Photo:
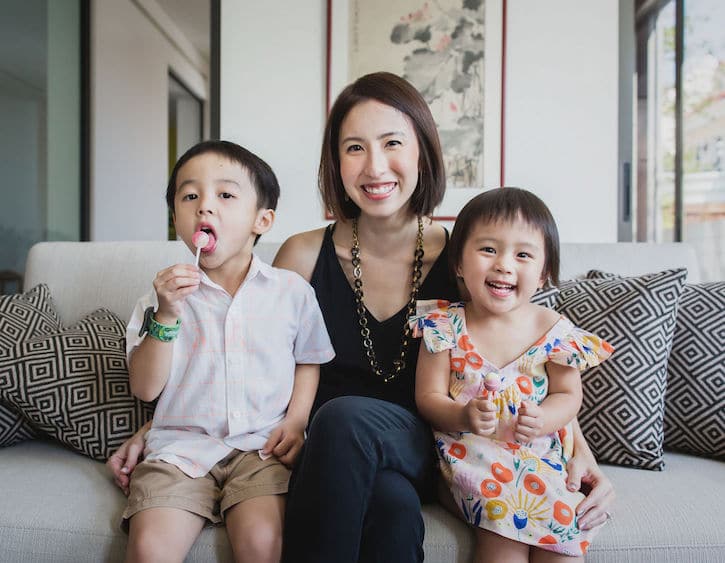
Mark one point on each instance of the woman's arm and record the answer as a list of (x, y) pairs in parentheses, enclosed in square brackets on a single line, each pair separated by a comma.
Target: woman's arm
[(586, 475), (299, 253)]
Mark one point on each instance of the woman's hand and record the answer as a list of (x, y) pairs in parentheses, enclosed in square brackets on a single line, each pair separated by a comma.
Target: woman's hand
[(585, 475), (124, 459)]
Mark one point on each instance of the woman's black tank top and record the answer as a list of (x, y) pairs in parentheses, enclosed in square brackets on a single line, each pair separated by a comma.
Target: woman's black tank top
[(349, 372)]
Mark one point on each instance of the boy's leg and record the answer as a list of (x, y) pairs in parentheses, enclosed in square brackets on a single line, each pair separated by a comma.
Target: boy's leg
[(166, 511), (160, 535), (254, 528), (252, 504)]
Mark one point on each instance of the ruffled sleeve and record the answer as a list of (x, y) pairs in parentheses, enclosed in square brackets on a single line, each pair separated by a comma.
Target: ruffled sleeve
[(432, 322), (578, 348)]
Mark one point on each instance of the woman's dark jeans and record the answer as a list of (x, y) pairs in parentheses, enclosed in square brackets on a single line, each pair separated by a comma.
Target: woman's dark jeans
[(354, 493)]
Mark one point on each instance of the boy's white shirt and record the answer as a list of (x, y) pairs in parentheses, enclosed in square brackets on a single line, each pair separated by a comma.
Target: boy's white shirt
[(233, 365)]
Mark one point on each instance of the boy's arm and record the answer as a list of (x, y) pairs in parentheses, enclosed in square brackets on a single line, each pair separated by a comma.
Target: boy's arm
[(150, 363), (149, 366), (286, 440), (558, 409)]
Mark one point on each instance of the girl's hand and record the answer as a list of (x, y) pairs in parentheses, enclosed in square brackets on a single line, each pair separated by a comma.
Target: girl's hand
[(480, 416), (172, 286), (285, 441), (585, 475), (123, 461), (530, 422)]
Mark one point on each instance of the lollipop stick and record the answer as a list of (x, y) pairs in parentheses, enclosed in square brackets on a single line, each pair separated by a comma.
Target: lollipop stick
[(198, 253)]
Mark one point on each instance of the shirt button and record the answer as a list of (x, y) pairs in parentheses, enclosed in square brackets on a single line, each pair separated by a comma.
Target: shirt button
[(236, 414)]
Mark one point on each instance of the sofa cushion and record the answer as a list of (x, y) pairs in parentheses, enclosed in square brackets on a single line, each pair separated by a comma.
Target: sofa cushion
[(23, 316), (73, 385), (546, 297), (694, 414), (623, 404)]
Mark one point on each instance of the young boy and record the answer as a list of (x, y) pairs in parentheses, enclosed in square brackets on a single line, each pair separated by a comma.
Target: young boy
[(232, 350)]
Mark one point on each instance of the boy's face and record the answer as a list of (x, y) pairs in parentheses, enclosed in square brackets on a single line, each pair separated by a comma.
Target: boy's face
[(216, 195)]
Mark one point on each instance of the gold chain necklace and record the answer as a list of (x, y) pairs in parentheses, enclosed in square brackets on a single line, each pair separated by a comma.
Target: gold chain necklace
[(399, 364)]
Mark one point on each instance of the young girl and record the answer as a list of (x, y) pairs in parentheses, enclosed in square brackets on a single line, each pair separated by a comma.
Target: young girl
[(498, 378)]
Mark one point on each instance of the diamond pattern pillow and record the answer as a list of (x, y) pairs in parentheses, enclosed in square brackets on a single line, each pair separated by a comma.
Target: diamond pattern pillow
[(73, 385), (694, 412), (546, 297), (23, 316), (623, 407)]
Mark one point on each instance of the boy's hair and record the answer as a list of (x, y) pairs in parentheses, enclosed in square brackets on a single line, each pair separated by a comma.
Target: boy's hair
[(395, 92), (505, 205), (262, 177)]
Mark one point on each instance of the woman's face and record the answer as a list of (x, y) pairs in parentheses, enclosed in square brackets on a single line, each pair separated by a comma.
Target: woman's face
[(378, 158)]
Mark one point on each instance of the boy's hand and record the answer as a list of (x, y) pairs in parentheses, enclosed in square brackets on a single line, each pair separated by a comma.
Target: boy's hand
[(530, 422), (480, 416), (172, 286), (286, 441)]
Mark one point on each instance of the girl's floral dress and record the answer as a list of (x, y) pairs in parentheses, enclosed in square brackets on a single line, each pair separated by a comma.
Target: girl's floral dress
[(515, 490)]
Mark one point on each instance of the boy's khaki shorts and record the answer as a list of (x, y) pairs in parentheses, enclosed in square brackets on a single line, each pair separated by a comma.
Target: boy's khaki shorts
[(238, 477)]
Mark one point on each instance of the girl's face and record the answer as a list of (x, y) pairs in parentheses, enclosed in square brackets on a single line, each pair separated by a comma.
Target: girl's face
[(502, 265), (378, 158)]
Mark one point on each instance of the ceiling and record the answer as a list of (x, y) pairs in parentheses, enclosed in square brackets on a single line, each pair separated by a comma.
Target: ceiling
[(193, 18)]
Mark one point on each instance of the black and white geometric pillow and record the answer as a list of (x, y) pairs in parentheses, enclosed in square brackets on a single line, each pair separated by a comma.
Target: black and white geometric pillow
[(546, 297), (23, 316), (73, 385), (695, 402), (623, 407)]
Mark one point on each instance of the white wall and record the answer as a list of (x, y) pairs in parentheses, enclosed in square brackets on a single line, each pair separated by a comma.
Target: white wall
[(131, 60), (561, 111), (561, 104), (273, 97)]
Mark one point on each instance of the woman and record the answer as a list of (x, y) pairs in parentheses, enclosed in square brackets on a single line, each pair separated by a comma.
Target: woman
[(369, 459)]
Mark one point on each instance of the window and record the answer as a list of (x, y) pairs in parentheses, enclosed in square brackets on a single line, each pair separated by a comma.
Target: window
[(41, 129), (681, 127)]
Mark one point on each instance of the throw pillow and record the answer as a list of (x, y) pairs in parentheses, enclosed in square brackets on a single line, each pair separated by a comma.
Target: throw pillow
[(23, 316), (546, 297), (73, 385), (623, 406), (694, 413)]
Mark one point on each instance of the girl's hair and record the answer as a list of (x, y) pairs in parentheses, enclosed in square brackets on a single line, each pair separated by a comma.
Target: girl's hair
[(505, 205), (397, 93), (263, 178)]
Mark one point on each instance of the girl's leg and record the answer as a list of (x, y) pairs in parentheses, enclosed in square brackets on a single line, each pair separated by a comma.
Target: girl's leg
[(544, 556), (350, 440), (162, 535), (393, 529), (491, 547), (254, 528)]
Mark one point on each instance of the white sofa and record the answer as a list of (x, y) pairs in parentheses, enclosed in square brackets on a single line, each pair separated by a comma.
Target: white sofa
[(57, 505)]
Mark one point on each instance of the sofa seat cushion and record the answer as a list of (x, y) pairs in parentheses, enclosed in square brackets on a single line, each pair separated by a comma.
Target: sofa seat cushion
[(61, 506)]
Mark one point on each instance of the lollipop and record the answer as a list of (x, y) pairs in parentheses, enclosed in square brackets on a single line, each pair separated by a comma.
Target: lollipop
[(492, 383), (200, 239)]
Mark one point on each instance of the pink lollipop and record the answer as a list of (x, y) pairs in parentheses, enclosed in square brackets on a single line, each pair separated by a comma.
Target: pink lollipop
[(200, 239), (492, 382)]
